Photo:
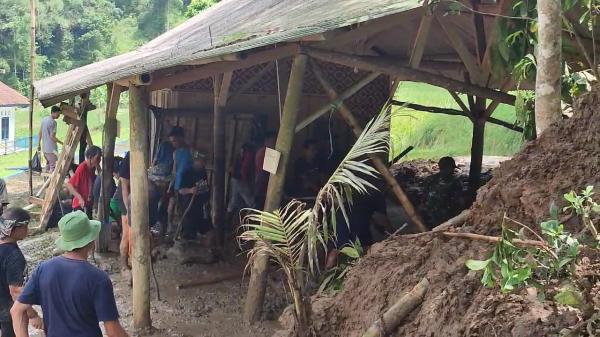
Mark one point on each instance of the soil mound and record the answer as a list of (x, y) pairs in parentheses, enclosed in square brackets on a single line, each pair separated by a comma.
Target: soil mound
[(564, 158)]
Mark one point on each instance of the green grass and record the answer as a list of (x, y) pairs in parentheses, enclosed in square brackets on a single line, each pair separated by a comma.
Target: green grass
[(436, 135), (95, 123)]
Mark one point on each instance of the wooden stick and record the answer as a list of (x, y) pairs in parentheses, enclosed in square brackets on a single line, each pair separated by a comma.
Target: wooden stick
[(210, 279), (389, 66), (396, 314)]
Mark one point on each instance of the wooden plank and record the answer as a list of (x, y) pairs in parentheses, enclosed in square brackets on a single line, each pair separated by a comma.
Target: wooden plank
[(285, 140), (213, 69), (36, 201), (337, 101), (140, 233), (224, 92), (388, 66)]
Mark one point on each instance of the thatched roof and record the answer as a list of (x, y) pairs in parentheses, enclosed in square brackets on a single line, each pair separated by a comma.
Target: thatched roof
[(231, 26)]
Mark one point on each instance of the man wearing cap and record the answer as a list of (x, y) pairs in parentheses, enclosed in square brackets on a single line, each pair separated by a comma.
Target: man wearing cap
[(193, 196), (47, 138), (13, 228), (74, 295)]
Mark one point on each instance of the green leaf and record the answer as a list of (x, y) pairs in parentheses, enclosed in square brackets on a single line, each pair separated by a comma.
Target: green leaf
[(569, 295), (477, 264), (350, 252)]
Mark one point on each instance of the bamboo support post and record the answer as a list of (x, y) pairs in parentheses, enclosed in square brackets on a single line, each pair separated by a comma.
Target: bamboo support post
[(221, 84), (140, 234), (108, 152), (285, 139), (357, 129), (390, 320), (33, 12)]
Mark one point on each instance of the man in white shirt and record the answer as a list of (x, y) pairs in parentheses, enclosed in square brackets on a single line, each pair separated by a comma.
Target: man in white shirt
[(47, 138)]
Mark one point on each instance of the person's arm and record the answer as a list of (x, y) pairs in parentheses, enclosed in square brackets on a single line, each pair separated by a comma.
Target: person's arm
[(125, 190), (114, 329), (20, 319), (53, 136), (32, 315), (75, 194)]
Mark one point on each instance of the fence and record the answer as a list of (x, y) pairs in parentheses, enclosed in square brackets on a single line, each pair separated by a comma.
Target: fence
[(17, 145)]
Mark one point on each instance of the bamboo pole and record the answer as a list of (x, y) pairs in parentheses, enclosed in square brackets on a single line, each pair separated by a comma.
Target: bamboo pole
[(221, 84), (140, 234), (108, 152), (33, 14), (357, 129), (394, 315), (285, 140)]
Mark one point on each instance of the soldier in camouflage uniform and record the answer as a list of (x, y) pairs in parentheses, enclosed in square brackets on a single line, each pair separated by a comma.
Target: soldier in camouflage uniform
[(443, 194)]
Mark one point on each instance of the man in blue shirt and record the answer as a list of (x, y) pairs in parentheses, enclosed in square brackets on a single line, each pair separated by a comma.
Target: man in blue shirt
[(74, 295)]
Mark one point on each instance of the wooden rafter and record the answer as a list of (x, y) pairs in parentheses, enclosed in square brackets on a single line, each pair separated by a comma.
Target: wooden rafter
[(461, 104), (461, 49), (337, 101), (421, 36), (218, 68), (388, 66)]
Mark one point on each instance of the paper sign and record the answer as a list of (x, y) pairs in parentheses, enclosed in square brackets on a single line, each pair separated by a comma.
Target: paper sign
[(271, 160)]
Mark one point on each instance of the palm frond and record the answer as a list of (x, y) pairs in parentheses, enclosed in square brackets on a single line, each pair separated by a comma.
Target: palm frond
[(351, 175)]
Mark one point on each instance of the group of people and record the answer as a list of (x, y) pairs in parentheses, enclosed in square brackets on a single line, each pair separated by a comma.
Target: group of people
[(74, 295)]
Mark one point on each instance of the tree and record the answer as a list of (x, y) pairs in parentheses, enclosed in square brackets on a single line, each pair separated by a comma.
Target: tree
[(197, 6), (549, 66)]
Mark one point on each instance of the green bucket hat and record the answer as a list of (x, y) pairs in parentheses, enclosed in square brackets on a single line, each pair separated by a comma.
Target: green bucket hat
[(76, 231)]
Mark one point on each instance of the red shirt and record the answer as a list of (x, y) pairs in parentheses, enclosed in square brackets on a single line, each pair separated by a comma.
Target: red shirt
[(82, 181)]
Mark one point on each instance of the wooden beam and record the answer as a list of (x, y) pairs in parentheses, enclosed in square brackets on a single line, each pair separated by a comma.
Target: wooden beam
[(456, 41), (357, 129), (454, 112), (214, 69), (387, 66), (221, 85), (420, 41), (221, 58), (461, 104), (508, 83), (108, 157), (363, 31), (252, 81), (285, 140), (337, 101), (140, 233)]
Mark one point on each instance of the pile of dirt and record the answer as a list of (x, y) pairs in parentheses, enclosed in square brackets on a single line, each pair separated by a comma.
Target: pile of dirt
[(564, 158)]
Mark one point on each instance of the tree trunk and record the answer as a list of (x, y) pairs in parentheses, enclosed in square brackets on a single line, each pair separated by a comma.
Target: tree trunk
[(218, 193), (140, 233), (547, 82), (477, 143), (285, 140)]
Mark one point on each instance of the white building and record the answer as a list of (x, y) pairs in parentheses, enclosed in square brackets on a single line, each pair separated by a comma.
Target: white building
[(10, 101)]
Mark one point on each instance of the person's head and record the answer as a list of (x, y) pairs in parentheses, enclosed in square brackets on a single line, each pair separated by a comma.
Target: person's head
[(310, 149), (14, 223), (177, 136), (199, 160), (55, 112), (447, 166), (93, 155), (116, 165), (77, 233)]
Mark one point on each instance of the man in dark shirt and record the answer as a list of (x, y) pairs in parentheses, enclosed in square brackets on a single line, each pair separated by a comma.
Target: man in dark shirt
[(308, 171), (194, 193), (75, 296), (13, 228)]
